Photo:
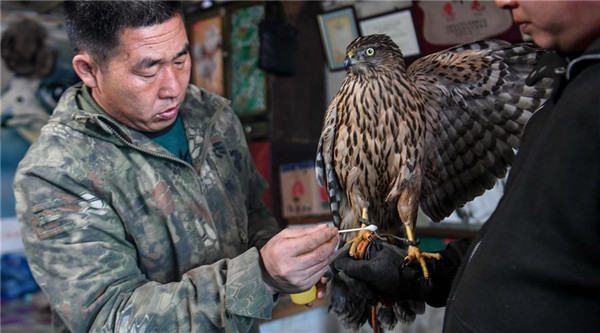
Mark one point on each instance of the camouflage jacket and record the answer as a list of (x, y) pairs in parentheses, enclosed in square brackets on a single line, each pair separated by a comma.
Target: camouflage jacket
[(123, 236)]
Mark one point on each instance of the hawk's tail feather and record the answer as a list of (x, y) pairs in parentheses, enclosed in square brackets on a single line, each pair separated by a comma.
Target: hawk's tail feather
[(404, 312), (351, 301)]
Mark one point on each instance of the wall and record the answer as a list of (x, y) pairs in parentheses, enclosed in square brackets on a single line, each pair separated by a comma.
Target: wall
[(363, 9)]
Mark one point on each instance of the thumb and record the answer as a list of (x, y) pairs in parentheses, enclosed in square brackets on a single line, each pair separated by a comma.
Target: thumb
[(352, 267)]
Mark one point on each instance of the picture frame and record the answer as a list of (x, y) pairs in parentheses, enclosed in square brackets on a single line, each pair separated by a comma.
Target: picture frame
[(398, 25), (441, 25), (338, 28), (248, 83), (207, 35)]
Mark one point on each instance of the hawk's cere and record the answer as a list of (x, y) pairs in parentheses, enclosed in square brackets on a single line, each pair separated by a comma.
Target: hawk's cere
[(435, 135)]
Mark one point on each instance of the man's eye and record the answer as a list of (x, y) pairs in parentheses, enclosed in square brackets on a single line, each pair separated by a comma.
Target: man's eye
[(147, 75)]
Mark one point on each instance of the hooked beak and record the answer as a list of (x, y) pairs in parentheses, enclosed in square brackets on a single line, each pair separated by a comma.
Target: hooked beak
[(349, 60)]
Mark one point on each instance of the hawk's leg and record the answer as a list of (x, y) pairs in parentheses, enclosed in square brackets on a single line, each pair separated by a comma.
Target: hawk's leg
[(415, 253), (408, 208), (362, 240)]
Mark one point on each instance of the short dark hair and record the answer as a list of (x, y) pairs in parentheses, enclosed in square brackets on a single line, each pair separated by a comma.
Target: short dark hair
[(94, 26)]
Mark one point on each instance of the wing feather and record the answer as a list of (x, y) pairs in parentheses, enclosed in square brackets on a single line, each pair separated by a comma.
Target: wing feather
[(477, 105)]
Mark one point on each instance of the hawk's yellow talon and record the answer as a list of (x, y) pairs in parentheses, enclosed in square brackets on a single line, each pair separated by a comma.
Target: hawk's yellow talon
[(414, 253)]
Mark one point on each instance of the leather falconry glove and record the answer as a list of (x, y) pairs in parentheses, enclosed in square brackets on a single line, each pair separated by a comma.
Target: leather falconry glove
[(384, 270)]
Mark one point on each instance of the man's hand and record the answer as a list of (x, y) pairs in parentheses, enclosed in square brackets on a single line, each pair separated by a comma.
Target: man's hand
[(295, 259), (385, 272)]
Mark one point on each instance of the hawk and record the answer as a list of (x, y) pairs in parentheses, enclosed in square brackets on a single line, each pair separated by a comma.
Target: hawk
[(433, 135)]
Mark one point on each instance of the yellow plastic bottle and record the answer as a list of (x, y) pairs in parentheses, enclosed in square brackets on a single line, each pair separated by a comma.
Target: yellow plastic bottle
[(305, 297)]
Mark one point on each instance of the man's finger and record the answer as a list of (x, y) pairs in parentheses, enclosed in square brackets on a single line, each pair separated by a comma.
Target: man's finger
[(315, 271), (319, 274), (319, 256), (322, 288), (310, 241)]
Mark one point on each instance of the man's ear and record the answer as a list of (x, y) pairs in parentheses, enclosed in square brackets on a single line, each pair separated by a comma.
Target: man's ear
[(86, 68)]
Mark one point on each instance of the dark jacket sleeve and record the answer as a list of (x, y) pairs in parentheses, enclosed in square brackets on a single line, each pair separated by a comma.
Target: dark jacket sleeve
[(445, 270)]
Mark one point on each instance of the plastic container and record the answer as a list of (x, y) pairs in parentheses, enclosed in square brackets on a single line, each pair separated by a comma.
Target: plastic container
[(305, 297)]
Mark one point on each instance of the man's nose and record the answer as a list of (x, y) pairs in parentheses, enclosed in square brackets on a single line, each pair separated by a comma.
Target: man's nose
[(170, 86), (506, 4)]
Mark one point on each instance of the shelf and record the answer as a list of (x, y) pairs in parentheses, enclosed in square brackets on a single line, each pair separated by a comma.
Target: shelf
[(447, 231)]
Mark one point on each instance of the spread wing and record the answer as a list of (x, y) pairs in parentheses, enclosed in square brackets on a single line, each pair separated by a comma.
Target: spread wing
[(324, 164), (477, 105)]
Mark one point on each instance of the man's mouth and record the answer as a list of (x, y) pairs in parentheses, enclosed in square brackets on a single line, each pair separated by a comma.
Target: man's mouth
[(168, 114), (524, 28)]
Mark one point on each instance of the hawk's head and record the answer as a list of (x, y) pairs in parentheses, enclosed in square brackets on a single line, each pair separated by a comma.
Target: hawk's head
[(372, 53)]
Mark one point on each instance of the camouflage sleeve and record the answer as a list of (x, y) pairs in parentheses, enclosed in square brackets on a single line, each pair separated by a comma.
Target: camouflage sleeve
[(80, 255)]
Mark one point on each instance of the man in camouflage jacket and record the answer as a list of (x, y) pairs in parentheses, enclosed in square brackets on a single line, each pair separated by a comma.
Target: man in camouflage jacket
[(122, 235), (124, 211)]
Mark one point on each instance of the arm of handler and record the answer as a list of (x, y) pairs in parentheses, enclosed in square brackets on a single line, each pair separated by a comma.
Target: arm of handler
[(296, 259), (81, 256)]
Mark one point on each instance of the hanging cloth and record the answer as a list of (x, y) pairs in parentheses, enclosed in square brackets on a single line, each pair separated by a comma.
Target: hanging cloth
[(277, 41)]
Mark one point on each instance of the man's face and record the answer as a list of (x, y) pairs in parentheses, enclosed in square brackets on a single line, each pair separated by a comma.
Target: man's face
[(564, 25), (144, 83)]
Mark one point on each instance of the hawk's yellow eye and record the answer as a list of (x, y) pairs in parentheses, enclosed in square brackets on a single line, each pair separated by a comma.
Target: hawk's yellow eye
[(370, 51)]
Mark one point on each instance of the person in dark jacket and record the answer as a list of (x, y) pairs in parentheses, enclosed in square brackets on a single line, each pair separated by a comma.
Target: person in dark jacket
[(535, 264)]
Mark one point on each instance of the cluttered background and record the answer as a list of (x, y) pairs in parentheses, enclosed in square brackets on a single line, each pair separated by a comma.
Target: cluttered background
[(279, 62)]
